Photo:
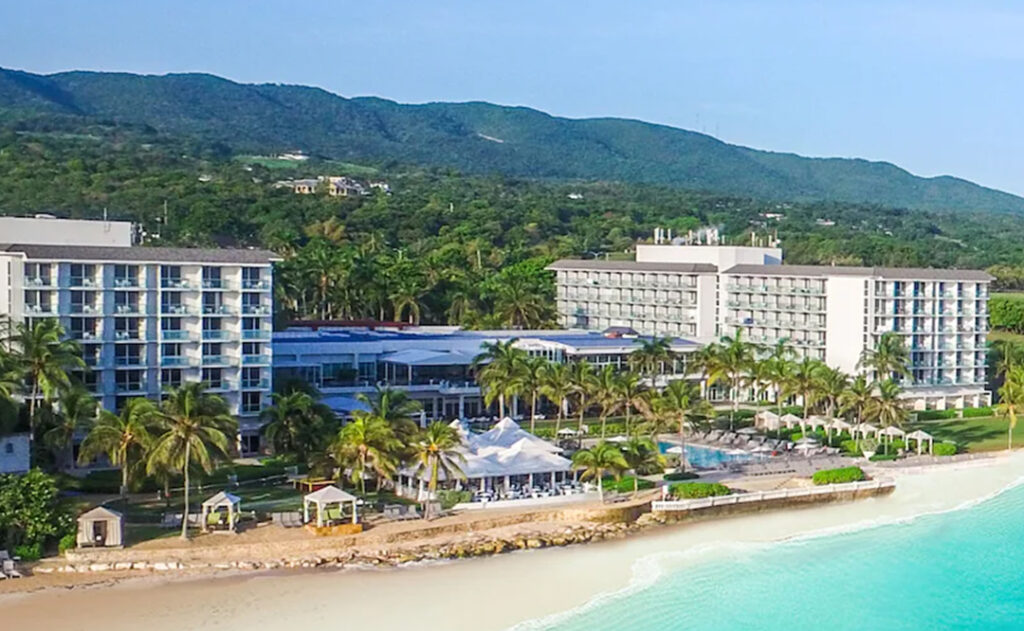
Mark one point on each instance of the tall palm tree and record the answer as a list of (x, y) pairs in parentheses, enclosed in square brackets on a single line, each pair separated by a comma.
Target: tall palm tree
[(633, 392), (886, 408), (652, 356), (857, 398), (806, 381), (367, 443), (832, 383), (518, 304), (641, 453), (497, 368), (731, 364), (780, 374), (194, 428), (1011, 398), (889, 359), (680, 404), (395, 407), (595, 462), (124, 438), (607, 393), (583, 383), (294, 422), (46, 358), (76, 408), (530, 381), (557, 388), (437, 451)]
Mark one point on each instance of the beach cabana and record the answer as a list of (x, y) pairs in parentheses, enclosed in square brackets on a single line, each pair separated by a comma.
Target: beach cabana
[(766, 419), (865, 430), (324, 500), (921, 436), (100, 527), (791, 420), (814, 422), (222, 502), (839, 426)]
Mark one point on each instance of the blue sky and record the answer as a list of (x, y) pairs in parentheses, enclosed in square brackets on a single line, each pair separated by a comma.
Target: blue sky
[(933, 86)]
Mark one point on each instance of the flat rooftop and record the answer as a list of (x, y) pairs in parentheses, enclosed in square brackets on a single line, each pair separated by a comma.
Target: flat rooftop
[(141, 254), (894, 273), (632, 266)]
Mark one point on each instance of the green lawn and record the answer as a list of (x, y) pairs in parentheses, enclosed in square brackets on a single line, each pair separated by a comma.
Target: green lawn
[(986, 433)]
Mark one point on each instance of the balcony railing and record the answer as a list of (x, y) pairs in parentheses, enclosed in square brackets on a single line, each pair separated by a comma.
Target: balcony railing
[(255, 334), (129, 361), (40, 281), (82, 309), (216, 334), (214, 283), (255, 310), (174, 334), (176, 361), (124, 336), (128, 309), (85, 336), (224, 385), (218, 360), (127, 283), (176, 310), (40, 310), (256, 359), (256, 284), (216, 310), (255, 384), (83, 281), (130, 387), (175, 283)]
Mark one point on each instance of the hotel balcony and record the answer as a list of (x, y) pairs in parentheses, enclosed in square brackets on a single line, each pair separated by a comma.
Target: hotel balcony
[(224, 385), (215, 284), (41, 282), (256, 334), (177, 361), (82, 309), (175, 334), (255, 384), (217, 360), (130, 336), (127, 283), (40, 310), (131, 387), (255, 310), (262, 359), (129, 309), (177, 310), (218, 310), (217, 334), (83, 282), (176, 283), (132, 362), (256, 285)]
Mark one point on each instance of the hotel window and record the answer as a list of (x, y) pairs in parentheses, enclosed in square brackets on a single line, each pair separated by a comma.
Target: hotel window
[(251, 277), (251, 402), (170, 378), (212, 278), (213, 377), (170, 276), (126, 276)]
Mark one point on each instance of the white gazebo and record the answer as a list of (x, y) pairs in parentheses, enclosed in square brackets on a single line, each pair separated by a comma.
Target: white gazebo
[(212, 507), (865, 430), (323, 499), (921, 436), (766, 419), (839, 426), (791, 420), (100, 527), (815, 421)]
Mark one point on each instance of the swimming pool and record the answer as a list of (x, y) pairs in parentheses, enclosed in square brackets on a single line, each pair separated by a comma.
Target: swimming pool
[(701, 457)]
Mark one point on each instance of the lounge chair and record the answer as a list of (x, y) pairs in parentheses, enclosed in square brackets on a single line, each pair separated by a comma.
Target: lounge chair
[(10, 570), (332, 514)]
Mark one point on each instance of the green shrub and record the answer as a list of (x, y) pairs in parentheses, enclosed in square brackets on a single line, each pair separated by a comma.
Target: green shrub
[(883, 457), (976, 412), (693, 490), (676, 476), (625, 484), (795, 436), (850, 447), (935, 415), (67, 542), (944, 449), (838, 476), (29, 552), (449, 498)]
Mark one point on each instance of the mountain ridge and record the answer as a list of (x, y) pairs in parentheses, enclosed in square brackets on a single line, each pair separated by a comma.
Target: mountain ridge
[(478, 137)]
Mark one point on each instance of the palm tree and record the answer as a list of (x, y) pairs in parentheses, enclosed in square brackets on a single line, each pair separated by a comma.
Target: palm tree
[(885, 407), (195, 429), (46, 358), (832, 384), (651, 356), (497, 368), (806, 381), (857, 399), (123, 437), (1011, 398), (607, 393), (530, 381), (680, 403), (633, 392), (294, 422), (640, 454), (366, 444), (518, 304), (557, 388), (889, 359), (584, 382), (75, 409), (595, 462), (395, 407), (731, 364), (779, 374), (437, 451)]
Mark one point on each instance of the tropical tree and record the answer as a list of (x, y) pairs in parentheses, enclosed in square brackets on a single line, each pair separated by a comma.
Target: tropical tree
[(633, 393), (600, 459), (584, 383), (652, 356), (46, 357), (530, 381), (498, 368), (295, 422), (395, 407), (1011, 399), (857, 398), (680, 404), (889, 358), (731, 364), (557, 387), (832, 383), (194, 429), (124, 438), (436, 452), (75, 409), (366, 444), (779, 372), (885, 406), (641, 455), (805, 380), (607, 393)]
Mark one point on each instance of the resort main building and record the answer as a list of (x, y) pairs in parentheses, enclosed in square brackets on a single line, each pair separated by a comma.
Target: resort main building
[(147, 318), (829, 313)]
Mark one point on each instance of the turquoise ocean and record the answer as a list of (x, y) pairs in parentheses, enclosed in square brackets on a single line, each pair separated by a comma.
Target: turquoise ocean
[(962, 569)]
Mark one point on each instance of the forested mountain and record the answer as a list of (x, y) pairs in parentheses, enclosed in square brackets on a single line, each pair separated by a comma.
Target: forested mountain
[(475, 138)]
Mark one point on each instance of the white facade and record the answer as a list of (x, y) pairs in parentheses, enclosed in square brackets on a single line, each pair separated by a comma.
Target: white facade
[(152, 318), (827, 313), (45, 230)]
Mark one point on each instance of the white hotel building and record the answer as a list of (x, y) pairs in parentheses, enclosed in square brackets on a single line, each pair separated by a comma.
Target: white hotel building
[(825, 312), (147, 318)]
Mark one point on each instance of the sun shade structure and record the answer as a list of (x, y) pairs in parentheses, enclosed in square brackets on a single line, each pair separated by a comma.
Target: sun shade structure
[(766, 419), (324, 499), (100, 527), (921, 436), (213, 506), (865, 430), (507, 433), (791, 420)]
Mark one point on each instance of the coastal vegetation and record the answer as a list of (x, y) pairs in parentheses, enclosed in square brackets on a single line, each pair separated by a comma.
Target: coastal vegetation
[(697, 490), (838, 476)]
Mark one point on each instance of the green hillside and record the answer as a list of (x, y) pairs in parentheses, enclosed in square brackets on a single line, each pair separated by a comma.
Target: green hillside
[(474, 138)]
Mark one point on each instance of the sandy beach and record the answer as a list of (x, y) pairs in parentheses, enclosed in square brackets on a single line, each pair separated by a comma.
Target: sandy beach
[(511, 590)]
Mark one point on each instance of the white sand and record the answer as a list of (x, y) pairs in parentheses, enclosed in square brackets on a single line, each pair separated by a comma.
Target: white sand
[(481, 594)]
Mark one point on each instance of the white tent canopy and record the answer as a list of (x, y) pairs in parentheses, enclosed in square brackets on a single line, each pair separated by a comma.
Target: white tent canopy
[(865, 429), (815, 422), (324, 498), (507, 432), (767, 419), (892, 432), (100, 527), (922, 436), (225, 500), (791, 420)]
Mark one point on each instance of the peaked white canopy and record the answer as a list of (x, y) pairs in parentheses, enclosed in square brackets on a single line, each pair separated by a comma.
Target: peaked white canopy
[(507, 433), (324, 498), (921, 436), (840, 425), (222, 499), (891, 431), (791, 419)]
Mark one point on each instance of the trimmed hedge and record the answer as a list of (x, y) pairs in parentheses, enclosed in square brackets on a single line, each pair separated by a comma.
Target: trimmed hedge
[(944, 449), (838, 476), (883, 457), (625, 484), (676, 476), (695, 490), (935, 415), (976, 412), (849, 447)]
